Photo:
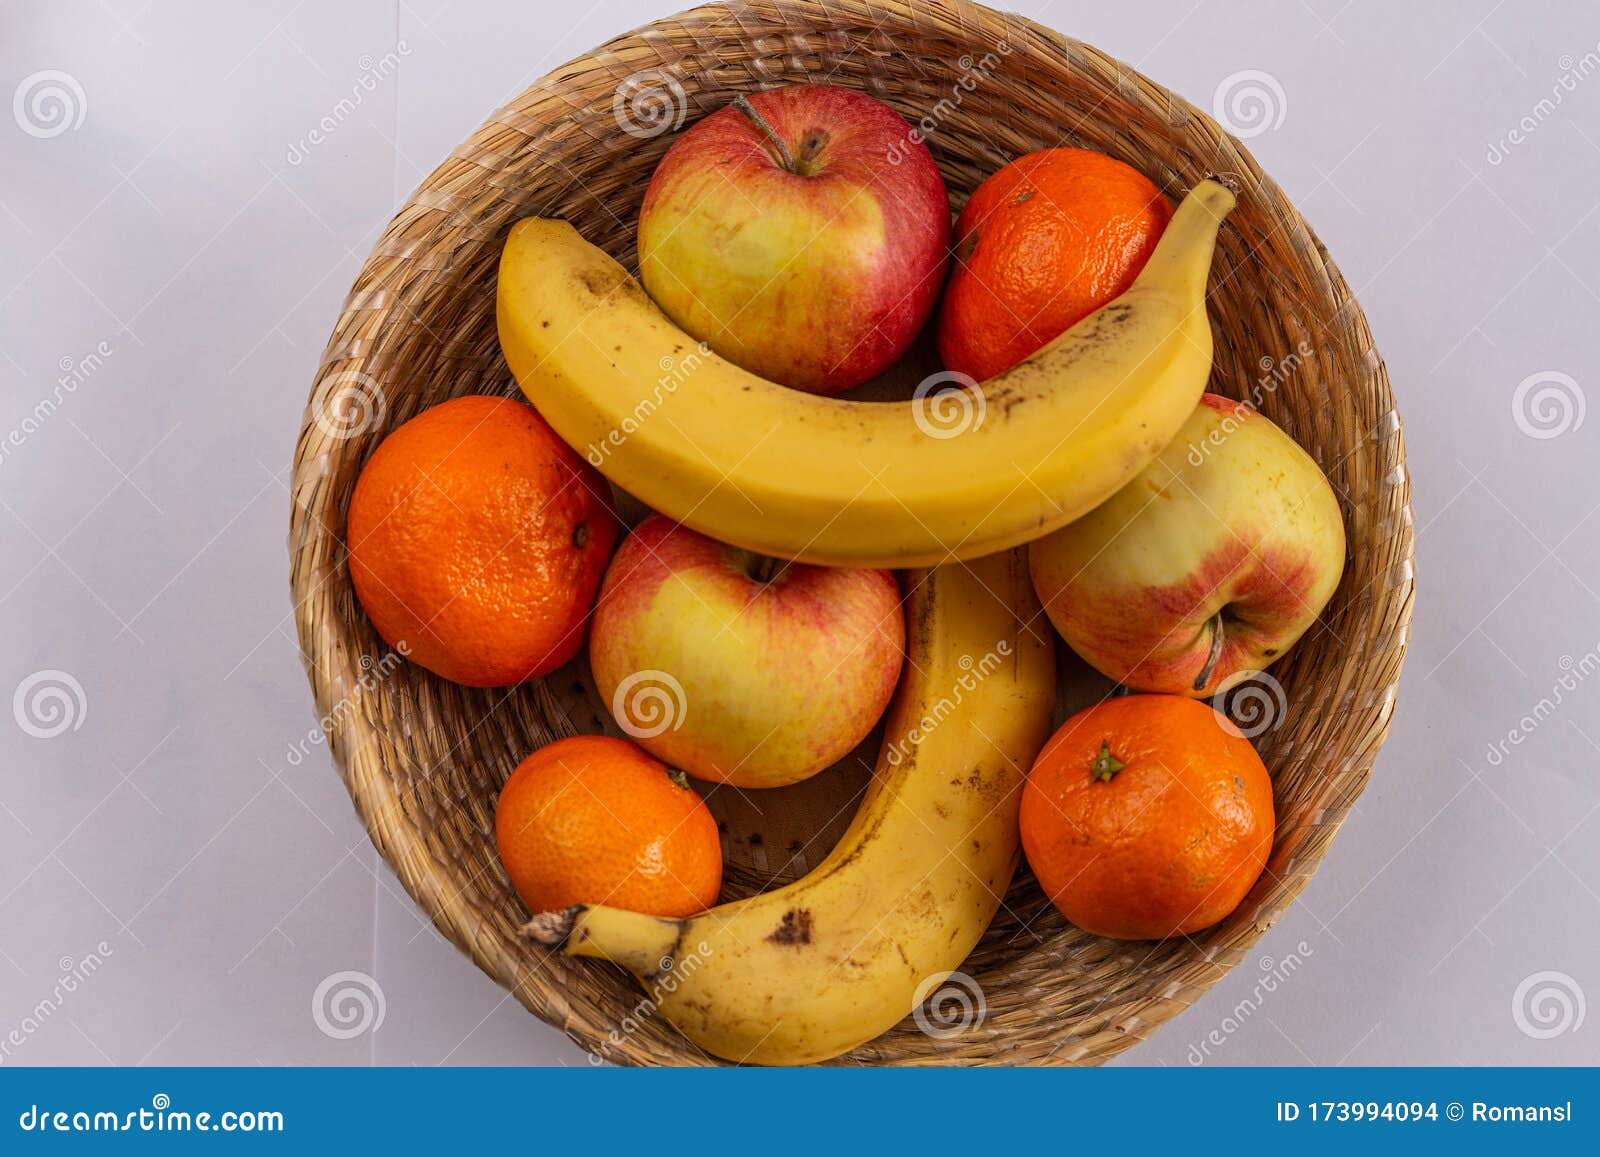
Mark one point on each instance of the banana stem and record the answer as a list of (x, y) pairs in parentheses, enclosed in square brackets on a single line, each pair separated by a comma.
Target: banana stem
[(550, 928), (1182, 258), (644, 945)]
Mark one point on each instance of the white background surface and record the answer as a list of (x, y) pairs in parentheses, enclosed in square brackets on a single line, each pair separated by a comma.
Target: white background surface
[(144, 521)]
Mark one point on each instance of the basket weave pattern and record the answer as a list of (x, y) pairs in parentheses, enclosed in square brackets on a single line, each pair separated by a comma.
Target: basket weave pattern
[(423, 758)]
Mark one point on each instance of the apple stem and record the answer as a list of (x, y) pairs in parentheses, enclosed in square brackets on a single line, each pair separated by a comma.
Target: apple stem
[(768, 569), (1210, 667), (785, 157)]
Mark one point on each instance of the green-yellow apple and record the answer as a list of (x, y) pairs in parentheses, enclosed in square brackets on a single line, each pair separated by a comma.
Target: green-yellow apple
[(801, 232), (1206, 567), (737, 668)]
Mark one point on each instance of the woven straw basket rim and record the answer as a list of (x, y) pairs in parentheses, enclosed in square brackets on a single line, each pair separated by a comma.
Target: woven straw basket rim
[(424, 759)]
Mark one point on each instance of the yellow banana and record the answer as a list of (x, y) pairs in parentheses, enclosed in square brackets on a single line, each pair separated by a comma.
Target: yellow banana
[(945, 475), (812, 970)]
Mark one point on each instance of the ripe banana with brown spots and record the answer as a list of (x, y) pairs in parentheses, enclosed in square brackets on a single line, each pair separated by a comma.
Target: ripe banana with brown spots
[(816, 968)]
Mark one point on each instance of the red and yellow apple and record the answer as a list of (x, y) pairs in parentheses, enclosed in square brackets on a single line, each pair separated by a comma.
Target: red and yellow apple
[(1206, 567), (737, 668), (801, 232)]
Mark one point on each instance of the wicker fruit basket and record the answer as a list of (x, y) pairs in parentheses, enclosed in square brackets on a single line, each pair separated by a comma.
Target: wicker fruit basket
[(424, 759)]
